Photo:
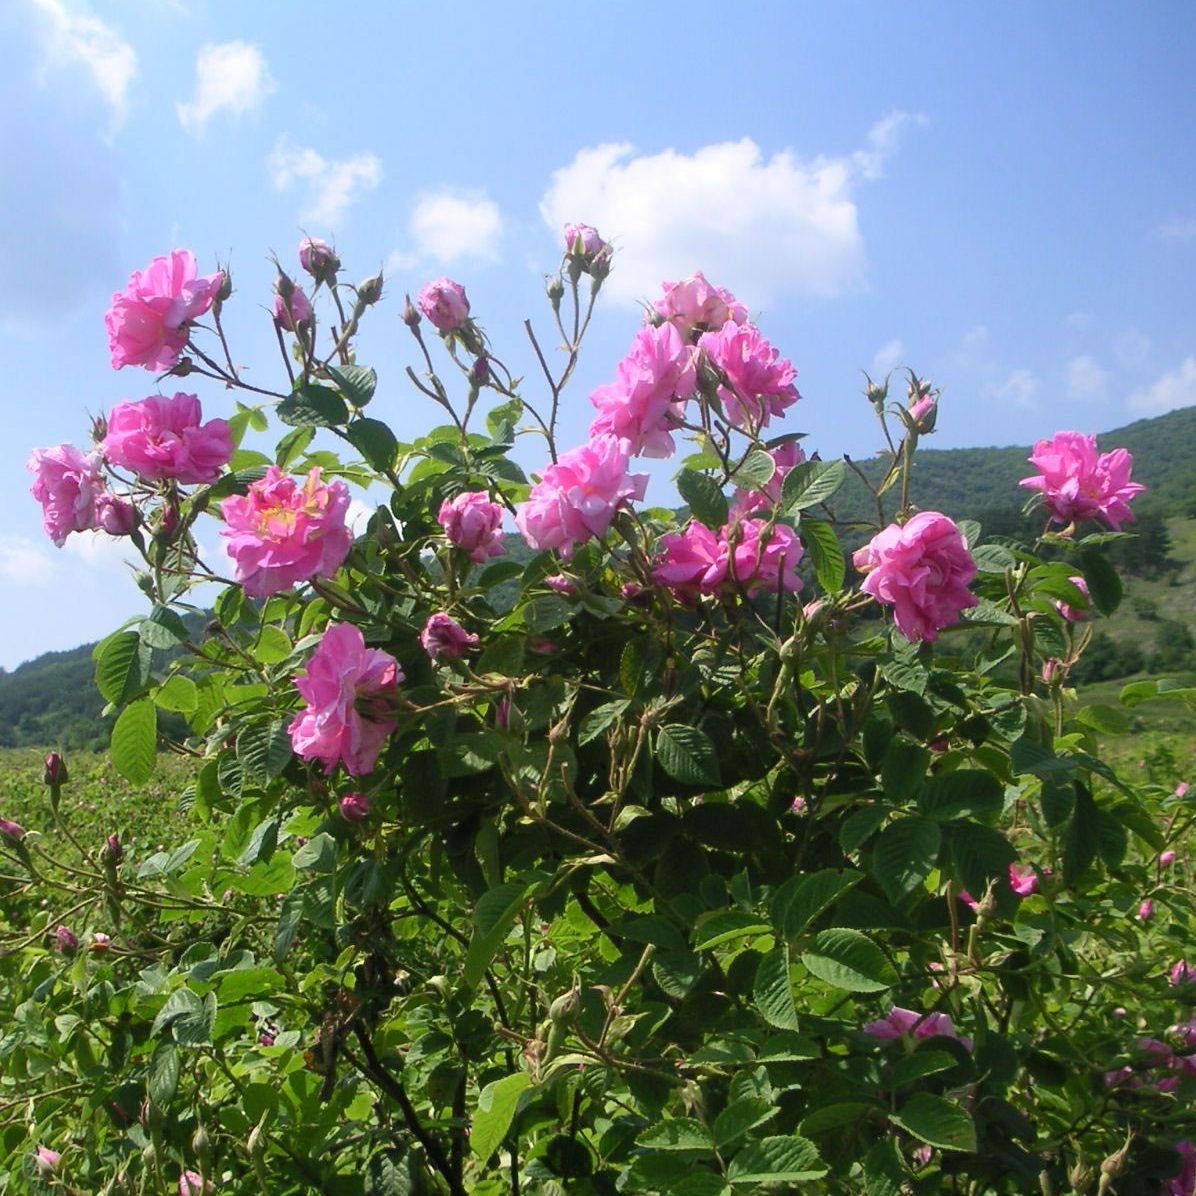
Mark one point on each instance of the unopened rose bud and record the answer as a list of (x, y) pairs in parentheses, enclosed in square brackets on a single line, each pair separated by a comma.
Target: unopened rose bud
[(877, 395), (201, 1144), (1050, 669), (479, 375), (99, 428), (292, 307), (354, 807), (116, 516), (1181, 789), (14, 832), (65, 941), (225, 289), (1081, 1176), (191, 1183), (370, 291), (115, 851), (555, 290), (411, 316), (1146, 910), (318, 258), (99, 941), (1166, 858), (445, 304), (55, 773), (46, 1161)]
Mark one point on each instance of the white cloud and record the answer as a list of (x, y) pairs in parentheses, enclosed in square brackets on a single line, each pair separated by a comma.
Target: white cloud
[(887, 357), (24, 563), (75, 36), (1179, 228), (1131, 348), (449, 225), (332, 186), (1087, 381), (1018, 389), (760, 227), (1177, 389), (112, 554), (231, 77)]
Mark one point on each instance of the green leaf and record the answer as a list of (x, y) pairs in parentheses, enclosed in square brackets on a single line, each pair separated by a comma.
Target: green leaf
[(739, 1117), (937, 1122), (495, 1112), (318, 406), (599, 719), (135, 742), (676, 1133), (802, 898), (1103, 583), (922, 1063), (858, 828), (1082, 838), (177, 693), (356, 382), (884, 1172), (904, 854), (290, 448), (755, 470), (493, 917), (714, 930), (772, 990), (163, 628), (189, 1018), (374, 441), (122, 667), (318, 854), (164, 1074), (903, 769), (980, 854), (702, 494), (811, 483), (826, 553), (261, 843), (273, 645), (687, 754), (1106, 720), (967, 791), (638, 663), (831, 1117), (264, 748), (543, 614), (503, 655), (788, 1159), (849, 960)]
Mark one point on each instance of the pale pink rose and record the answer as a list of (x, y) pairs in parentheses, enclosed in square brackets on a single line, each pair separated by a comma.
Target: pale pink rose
[(444, 303), (1181, 789), (785, 457), (1050, 667), (899, 1022), (160, 438), (149, 321), (922, 570), (694, 303), (293, 311), (99, 940), (1023, 880), (318, 258), (191, 1183), (348, 689), (759, 382), (1166, 858), (354, 807), (68, 484), (1077, 614), (576, 499), (763, 558), (282, 532), (1078, 483), (443, 638), (692, 562), (116, 516), (585, 242), (920, 409), (473, 523), (46, 1161), (562, 585), (645, 402), (1146, 910)]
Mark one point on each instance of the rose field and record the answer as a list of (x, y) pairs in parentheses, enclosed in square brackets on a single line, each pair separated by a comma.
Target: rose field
[(555, 827)]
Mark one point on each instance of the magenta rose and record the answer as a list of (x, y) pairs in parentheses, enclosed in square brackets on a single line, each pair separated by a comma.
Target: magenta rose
[(899, 1022), (354, 807), (763, 557), (348, 689), (691, 562), (1077, 614), (443, 638), (473, 523), (68, 484), (1023, 880), (282, 532), (695, 303), (160, 438), (1078, 483), (444, 303), (646, 400), (576, 499), (759, 382), (922, 570), (149, 321)]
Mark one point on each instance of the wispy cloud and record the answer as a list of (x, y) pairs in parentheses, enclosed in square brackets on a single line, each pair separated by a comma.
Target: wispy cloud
[(229, 77), (1176, 389), (1178, 228), (760, 226), (24, 563), (73, 37), (886, 358), (331, 185), (1087, 380), (1017, 389), (450, 225)]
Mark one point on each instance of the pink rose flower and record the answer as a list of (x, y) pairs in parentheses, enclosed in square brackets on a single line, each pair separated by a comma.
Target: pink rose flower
[(1078, 483), (763, 558), (1184, 1182), (695, 303), (1181, 789), (1166, 858), (582, 241), (318, 258), (444, 303), (354, 807), (576, 499), (443, 638), (646, 400), (1181, 972), (759, 382), (66, 942), (116, 516), (292, 312), (920, 410), (898, 1022), (282, 533), (347, 688), (191, 1183), (1050, 667), (1023, 880), (46, 1161), (785, 457), (1077, 614), (691, 562), (161, 438), (1146, 910), (562, 584), (473, 523), (922, 570), (68, 484), (150, 320)]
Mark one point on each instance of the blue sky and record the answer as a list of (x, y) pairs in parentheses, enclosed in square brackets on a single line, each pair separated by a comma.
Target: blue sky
[(1003, 197)]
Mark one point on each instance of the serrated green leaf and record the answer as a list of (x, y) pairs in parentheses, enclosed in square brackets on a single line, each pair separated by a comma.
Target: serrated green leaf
[(849, 960), (904, 854), (755, 470), (135, 742), (903, 770), (599, 719), (264, 748), (163, 628), (964, 792), (936, 1121), (704, 497), (317, 406), (177, 693), (122, 667), (980, 854), (543, 614), (884, 1172), (772, 990), (374, 441), (356, 382), (826, 553), (273, 645), (726, 926), (788, 1159), (811, 483), (1103, 583), (1082, 838), (493, 917), (1107, 720), (687, 754), (318, 854), (492, 1119), (738, 1118), (802, 898), (163, 1078), (676, 1133)]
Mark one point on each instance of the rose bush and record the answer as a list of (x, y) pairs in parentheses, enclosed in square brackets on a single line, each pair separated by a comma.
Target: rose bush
[(650, 855)]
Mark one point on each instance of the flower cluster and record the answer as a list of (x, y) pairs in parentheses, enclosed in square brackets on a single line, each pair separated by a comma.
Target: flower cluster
[(160, 438), (472, 523), (1078, 483), (750, 554), (898, 1023)]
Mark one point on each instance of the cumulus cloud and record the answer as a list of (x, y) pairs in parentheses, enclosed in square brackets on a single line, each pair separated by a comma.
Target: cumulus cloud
[(1176, 389), (450, 225), (1018, 389), (886, 358), (331, 185), (74, 37), (1179, 228), (24, 563), (758, 225), (229, 77), (112, 554), (1087, 381)]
